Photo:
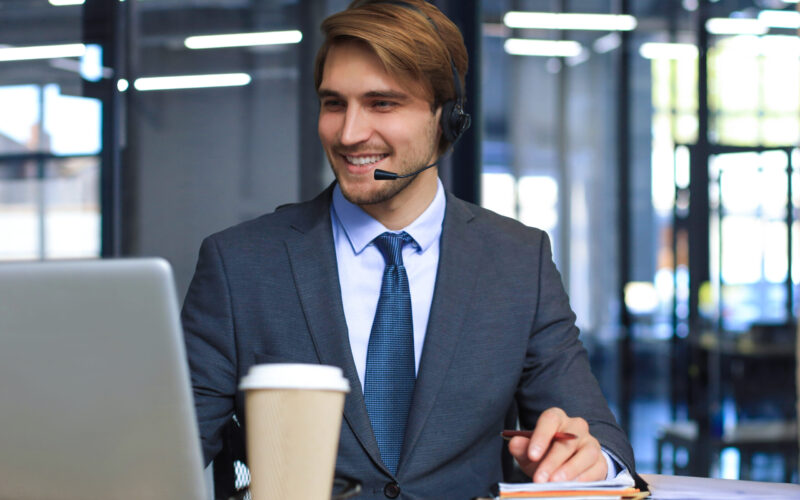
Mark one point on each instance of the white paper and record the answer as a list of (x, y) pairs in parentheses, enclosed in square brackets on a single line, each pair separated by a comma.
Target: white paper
[(623, 480)]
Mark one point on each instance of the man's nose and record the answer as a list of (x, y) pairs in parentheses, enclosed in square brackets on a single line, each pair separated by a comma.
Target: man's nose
[(356, 127)]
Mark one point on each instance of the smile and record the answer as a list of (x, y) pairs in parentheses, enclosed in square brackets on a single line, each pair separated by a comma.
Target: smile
[(364, 160)]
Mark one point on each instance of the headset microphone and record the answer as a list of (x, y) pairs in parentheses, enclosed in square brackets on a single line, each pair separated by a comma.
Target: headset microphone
[(383, 175)]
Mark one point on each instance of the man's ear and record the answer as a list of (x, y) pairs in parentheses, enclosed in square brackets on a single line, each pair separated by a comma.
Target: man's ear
[(437, 115)]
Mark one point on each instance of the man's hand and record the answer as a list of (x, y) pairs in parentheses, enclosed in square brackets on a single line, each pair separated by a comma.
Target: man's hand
[(546, 459)]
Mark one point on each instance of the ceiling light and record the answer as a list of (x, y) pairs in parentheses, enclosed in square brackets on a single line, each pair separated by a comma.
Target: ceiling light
[(59, 3), (42, 52), (735, 26), (243, 39), (656, 50), (543, 48), (780, 18), (191, 81), (546, 20)]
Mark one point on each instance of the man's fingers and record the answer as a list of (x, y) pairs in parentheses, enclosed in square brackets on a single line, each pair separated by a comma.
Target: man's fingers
[(548, 424), (518, 447), (596, 472), (584, 460), (553, 467)]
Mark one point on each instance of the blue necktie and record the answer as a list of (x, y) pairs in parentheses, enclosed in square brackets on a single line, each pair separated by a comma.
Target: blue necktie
[(389, 377)]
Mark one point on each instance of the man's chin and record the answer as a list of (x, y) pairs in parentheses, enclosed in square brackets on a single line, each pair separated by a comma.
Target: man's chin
[(373, 195)]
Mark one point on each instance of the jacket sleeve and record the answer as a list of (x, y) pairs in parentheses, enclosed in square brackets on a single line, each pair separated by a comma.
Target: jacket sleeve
[(557, 373), (209, 332)]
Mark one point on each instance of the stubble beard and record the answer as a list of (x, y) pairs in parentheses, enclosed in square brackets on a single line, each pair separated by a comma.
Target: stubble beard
[(388, 189)]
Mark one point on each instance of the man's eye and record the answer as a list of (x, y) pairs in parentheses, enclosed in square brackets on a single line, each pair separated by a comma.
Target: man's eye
[(332, 104), (383, 104)]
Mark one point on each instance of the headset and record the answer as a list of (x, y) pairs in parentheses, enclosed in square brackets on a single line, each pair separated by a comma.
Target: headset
[(454, 120)]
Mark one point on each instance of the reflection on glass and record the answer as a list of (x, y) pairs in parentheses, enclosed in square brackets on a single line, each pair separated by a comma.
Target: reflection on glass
[(498, 193), (55, 216), (662, 184), (775, 251), (19, 118), (780, 130), (538, 201), (72, 124), (742, 238), (753, 96), (749, 236), (72, 209), (19, 217)]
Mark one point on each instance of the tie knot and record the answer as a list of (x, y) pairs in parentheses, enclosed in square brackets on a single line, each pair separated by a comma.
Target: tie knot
[(391, 246)]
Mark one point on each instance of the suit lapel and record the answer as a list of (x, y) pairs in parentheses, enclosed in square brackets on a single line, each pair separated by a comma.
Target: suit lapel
[(313, 260), (461, 253)]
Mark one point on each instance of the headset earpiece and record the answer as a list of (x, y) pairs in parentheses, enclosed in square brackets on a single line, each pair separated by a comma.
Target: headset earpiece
[(454, 121)]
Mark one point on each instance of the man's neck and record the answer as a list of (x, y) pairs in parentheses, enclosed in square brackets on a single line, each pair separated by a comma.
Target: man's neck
[(408, 204)]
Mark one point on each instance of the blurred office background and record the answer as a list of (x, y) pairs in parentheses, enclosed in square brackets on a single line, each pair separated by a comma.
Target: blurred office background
[(656, 143)]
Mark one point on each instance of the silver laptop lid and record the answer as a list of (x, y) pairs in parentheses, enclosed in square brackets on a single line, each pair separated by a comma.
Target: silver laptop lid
[(95, 399)]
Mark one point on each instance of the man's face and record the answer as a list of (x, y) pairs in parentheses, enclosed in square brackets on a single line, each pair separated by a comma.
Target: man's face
[(369, 119)]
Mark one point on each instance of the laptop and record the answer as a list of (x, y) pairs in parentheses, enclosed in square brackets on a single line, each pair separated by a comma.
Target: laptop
[(95, 398)]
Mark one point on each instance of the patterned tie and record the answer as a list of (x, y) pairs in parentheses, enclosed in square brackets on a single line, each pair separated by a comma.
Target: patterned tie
[(389, 377)]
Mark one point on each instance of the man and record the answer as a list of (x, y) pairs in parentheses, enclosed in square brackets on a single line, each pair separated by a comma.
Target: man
[(478, 318)]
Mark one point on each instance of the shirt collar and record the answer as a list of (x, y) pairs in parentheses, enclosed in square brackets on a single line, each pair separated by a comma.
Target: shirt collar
[(360, 228)]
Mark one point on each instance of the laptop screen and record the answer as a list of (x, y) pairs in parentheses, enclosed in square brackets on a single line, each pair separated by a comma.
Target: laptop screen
[(95, 399)]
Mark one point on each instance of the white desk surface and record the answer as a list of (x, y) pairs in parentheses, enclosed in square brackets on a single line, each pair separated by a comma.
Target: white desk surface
[(691, 488)]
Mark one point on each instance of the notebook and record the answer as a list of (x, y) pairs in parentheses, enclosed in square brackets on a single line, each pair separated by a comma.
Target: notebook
[(95, 398)]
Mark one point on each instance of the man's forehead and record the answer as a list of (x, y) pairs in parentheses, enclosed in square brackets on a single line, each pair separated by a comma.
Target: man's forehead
[(389, 82)]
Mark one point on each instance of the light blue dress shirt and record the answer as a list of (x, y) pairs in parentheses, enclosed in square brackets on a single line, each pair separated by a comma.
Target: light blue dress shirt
[(361, 269), (361, 272)]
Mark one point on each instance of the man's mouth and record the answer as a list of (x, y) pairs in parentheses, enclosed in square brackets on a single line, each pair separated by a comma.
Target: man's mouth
[(364, 160)]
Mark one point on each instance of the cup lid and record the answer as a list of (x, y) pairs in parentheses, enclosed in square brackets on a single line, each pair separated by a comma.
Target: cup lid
[(295, 376)]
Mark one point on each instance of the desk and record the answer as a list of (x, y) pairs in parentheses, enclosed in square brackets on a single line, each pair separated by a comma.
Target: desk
[(697, 488)]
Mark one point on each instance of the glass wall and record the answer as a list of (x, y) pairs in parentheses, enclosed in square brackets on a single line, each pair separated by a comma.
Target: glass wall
[(50, 134), (553, 125)]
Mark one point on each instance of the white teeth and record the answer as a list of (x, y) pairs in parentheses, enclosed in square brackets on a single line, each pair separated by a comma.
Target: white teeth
[(364, 160)]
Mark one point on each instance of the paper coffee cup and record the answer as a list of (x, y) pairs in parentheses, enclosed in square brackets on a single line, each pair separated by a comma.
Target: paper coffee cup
[(293, 417)]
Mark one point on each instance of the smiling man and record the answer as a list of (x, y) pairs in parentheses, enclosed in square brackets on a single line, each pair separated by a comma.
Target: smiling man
[(444, 316), (370, 119)]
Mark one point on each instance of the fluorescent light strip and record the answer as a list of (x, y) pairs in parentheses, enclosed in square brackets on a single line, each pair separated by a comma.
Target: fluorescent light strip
[(243, 39), (42, 52), (546, 20), (735, 26), (191, 81), (59, 3), (656, 50), (542, 48), (780, 18)]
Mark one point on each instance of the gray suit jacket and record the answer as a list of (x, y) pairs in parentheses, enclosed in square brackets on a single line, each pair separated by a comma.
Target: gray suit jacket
[(500, 330)]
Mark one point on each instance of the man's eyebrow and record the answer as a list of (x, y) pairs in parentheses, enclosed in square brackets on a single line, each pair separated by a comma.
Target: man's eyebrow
[(373, 94), (387, 94), (327, 93)]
